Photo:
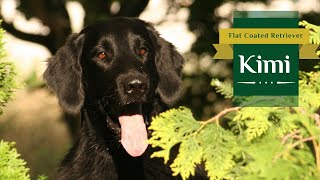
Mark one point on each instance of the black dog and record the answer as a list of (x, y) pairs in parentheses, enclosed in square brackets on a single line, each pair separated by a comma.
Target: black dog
[(116, 75)]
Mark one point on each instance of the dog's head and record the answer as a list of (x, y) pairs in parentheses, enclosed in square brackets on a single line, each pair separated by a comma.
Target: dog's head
[(122, 67)]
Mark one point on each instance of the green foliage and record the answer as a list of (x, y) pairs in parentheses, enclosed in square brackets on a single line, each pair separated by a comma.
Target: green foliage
[(7, 76), (258, 142), (11, 165), (42, 177), (178, 126), (218, 147), (7, 82), (163, 130), (223, 88), (254, 142), (2, 52), (33, 81), (314, 33)]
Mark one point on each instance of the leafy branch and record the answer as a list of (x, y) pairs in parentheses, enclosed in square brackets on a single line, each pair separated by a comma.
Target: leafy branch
[(216, 118), (257, 142), (253, 143), (314, 33)]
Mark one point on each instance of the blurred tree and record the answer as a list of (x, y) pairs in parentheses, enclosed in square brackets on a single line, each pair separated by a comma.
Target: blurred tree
[(53, 13), (203, 22)]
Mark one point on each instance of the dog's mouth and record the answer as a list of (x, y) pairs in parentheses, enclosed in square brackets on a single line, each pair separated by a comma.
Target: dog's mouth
[(132, 127)]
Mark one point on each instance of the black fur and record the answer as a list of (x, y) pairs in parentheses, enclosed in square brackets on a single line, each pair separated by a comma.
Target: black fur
[(93, 88)]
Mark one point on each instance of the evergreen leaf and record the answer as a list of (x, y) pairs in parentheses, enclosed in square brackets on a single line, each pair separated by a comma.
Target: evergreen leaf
[(190, 154), (11, 165), (169, 128), (224, 88), (219, 148)]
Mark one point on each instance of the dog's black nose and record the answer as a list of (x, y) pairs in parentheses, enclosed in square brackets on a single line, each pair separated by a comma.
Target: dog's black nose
[(135, 86)]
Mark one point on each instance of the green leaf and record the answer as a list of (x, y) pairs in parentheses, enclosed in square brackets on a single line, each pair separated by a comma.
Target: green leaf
[(219, 147), (223, 88), (190, 154), (254, 142), (7, 76), (255, 120), (11, 165), (42, 177), (314, 32), (169, 128)]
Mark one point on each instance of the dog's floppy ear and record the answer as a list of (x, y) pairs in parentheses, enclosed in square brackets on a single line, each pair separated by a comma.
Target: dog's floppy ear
[(64, 74), (169, 64)]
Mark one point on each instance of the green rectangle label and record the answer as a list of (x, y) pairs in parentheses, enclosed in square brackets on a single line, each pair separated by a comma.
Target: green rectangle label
[(265, 74)]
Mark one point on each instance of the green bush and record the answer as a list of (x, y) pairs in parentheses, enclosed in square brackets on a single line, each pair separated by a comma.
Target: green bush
[(7, 76), (11, 165), (247, 142)]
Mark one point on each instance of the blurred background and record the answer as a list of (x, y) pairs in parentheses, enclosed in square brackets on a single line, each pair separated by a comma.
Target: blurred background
[(35, 29)]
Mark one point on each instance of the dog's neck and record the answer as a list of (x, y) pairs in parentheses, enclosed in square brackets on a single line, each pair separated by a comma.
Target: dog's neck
[(101, 146), (111, 149), (94, 129)]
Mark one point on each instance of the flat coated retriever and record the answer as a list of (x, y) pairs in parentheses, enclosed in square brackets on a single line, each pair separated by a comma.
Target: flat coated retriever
[(116, 75)]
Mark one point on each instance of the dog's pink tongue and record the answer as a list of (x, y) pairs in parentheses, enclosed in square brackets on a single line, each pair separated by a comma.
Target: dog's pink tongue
[(133, 134)]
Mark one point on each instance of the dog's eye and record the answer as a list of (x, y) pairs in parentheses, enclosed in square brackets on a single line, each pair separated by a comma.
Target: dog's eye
[(102, 55), (142, 51)]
